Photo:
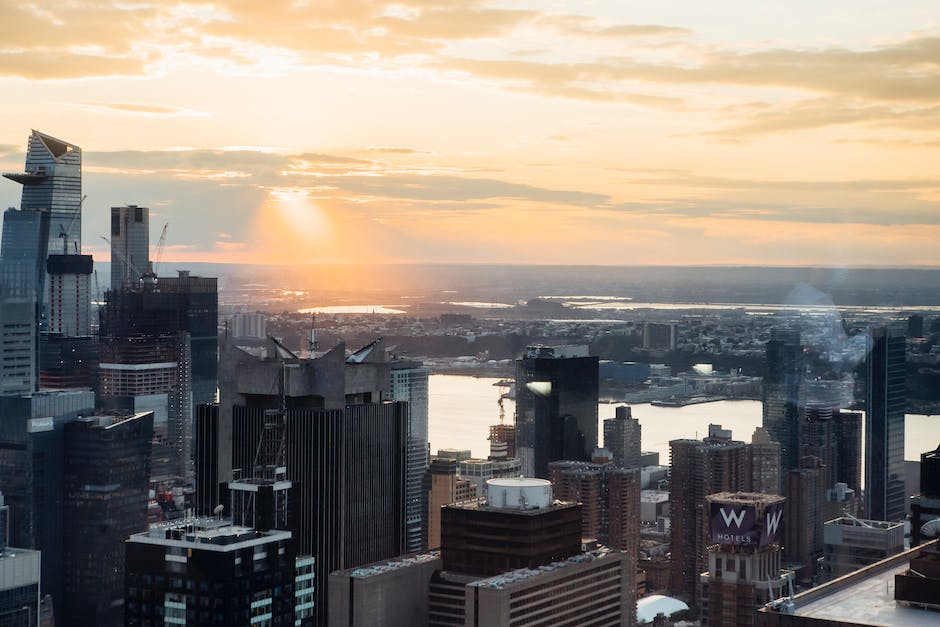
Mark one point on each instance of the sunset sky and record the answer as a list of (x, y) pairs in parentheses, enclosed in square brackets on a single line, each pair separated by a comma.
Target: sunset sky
[(590, 132)]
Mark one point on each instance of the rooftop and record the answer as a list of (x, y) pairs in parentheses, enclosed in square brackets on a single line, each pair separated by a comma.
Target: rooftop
[(213, 534), (866, 597), (498, 582), (380, 568)]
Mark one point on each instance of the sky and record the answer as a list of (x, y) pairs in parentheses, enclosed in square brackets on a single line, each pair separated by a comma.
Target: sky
[(469, 131)]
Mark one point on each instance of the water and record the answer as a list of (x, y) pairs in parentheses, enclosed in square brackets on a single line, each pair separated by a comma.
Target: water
[(461, 408)]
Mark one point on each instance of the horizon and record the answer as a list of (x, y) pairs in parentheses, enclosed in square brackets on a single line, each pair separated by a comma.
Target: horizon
[(507, 132)]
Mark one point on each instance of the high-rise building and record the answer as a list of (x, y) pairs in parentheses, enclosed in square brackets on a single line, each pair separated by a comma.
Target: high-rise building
[(69, 294), (610, 501), (781, 394), (19, 579), (68, 363), (807, 510), (622, 435), (152, 373), (19, 337), (107, 474), (53, 181), (764, 470), (345, 451), (32, 473), (744, 570), (130, 246), (884, 424), (659, 336), (181, 303), (699, 468), (556, 406), (498, 464), (849, 447), (410, 384), (206, 571)]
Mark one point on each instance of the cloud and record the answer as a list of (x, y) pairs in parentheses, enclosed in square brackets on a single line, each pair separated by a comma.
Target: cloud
[(143, 109)]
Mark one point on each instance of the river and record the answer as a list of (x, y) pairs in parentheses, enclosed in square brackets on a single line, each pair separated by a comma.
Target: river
[(461, 408)]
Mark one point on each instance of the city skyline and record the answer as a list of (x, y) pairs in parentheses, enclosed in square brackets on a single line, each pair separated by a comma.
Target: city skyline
[(439, 131)]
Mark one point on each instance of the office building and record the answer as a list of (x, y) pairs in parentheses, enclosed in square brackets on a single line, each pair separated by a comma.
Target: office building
[(19, 337), (852, 543), (32, 473), (346, 450), (915, 325), (390, 592), (68, 363), (900, 591), (885, 401), (107, 473), (181, 303), (23, 248), (409, 384), (445, 486), (622, 435), (744, 569), (52, 181), (699, 468), (206, 571), (925, 507), (781, 394), (556, 406), (130, 246), (518, 525), (152, 373), (764, 463)]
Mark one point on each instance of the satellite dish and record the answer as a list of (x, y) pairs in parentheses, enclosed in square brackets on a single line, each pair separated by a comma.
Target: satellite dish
[(218, 510)]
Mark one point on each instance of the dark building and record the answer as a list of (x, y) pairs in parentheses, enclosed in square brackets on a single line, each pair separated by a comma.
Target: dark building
[(699, 468), (107, 473), (32, 473), (182, 303), (556, 406), (205, 571), (67, 363), (925, 506), (346, 451), (915, 325), (518, 526), (781, 393), (884, 424), (807, 510)]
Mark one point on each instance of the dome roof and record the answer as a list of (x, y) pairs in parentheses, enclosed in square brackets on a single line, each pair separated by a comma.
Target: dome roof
[(649, 606)]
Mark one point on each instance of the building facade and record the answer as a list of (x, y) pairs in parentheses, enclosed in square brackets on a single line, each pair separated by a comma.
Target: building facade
[(622, 437), (409, 384), (556, 406), (885, 400)]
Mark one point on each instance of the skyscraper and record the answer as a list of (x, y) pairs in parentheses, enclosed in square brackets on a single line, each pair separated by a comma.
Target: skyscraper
[(19, 337), (206, 571), (107, 474), (410, 384), (697, 469), (556, 406), (744, 569), (130, 246), (884, 424), (781, 393), (345, 450), (69, 294), (622, 435), (52, 181)]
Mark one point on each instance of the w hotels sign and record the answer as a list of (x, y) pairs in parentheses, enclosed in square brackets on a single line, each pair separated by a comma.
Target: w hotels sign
[(746, 524)]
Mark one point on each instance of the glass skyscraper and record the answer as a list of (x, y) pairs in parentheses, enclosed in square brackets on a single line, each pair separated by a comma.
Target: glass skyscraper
[(885, 400)]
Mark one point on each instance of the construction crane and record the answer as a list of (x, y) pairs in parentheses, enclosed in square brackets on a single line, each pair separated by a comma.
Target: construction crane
[(130, 265), (64, 230), (150, 276)]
